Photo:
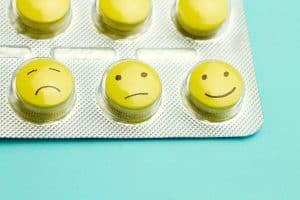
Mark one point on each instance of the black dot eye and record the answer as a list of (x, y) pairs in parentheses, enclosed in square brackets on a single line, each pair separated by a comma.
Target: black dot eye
[(204, 77), (144, 74), (226, 74), (118, 77)]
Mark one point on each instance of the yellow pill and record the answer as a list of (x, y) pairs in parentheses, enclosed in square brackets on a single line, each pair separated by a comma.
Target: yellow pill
[(133, 88), (215, 87), (125, 15), (44, 84), (46, 16), (202, 18)]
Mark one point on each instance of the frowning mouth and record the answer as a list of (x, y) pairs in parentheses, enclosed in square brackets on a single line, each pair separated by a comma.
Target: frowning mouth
[(46, 86), (137, 94), (221, 96)]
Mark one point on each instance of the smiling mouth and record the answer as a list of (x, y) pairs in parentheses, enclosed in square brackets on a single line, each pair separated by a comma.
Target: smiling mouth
[(137, 94), (221, 96), (47, 86)]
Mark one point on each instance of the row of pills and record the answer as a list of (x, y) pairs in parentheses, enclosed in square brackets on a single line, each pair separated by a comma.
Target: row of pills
[(117, 18), (43, 90)]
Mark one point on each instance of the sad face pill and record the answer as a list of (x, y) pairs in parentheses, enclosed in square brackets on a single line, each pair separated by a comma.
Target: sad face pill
[(215, 88), (43, 18), (133, 89), (124, 17), (201, 18), (43, 88)]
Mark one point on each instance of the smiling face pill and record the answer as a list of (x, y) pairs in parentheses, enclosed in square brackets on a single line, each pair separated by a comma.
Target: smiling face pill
[(45, 88), (42, 18), (202, 18), (134, 89), (125, 17), (215, 87)]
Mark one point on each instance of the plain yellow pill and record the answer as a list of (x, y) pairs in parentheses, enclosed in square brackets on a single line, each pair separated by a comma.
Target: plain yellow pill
[(125, 15), (215, 86), (44, 84), (133, 86), (202, 17), (44, 15), (43, 11)]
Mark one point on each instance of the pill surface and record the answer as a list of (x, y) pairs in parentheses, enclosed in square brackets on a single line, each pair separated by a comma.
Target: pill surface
[(43, 18), (45, 88), (201, 18), (216, 88), (134, 89), (124, 17)]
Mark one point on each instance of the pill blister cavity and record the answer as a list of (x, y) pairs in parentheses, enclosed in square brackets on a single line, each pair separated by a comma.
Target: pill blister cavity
[(42, 90), (120, 19), (131, 91), (214, 90), (40, 19), (201, 19)]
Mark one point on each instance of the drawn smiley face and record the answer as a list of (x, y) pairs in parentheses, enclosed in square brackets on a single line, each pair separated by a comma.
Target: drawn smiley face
[(215, 85), (133, 85), (44, 83)]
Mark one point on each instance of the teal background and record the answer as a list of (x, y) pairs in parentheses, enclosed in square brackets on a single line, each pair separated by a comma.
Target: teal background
[(264, 166)]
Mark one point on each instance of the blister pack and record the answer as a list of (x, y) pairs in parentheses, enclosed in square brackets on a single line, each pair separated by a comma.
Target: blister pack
[(126, 69)]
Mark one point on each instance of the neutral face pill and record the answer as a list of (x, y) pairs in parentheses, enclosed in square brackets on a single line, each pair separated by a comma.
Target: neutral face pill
[(202, 18), (45, 16), (133, 88), (44, 84), (125, 15), (133, 85), (215, 87)]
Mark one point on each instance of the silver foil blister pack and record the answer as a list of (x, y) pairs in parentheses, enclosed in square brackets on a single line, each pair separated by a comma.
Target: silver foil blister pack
[(89, 53)]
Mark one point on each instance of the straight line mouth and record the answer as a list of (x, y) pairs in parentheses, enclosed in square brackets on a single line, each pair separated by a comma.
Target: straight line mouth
[(137, 94), (46, 86), (221, 96)]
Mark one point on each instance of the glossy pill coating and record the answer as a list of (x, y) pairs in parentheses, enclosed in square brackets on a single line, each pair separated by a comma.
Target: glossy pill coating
[(125, 15), (202, 18), (215, 87), (45, 16), (44, 84)]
